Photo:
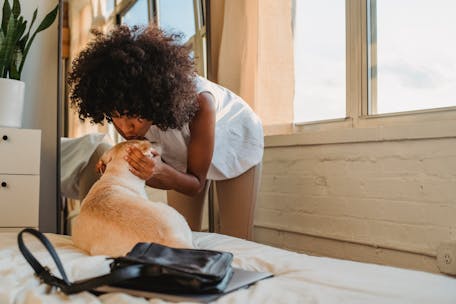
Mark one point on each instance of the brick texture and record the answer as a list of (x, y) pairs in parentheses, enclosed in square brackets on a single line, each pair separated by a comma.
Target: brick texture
[(383, 202)]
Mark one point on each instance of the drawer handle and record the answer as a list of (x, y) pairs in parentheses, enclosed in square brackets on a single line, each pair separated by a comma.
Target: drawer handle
[(5, 137), (4, 184)]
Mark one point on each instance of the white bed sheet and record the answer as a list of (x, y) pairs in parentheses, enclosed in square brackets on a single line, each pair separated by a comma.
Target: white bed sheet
[(298, 278)]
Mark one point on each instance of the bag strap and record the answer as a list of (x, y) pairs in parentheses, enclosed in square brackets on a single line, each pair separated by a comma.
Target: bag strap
[(45, 275), (42, 272)]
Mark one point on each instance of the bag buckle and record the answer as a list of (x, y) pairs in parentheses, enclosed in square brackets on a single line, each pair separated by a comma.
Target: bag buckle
[(45, 275), (52, 283)]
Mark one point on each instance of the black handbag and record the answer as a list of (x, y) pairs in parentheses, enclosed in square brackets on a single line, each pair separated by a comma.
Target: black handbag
[(147, 267)]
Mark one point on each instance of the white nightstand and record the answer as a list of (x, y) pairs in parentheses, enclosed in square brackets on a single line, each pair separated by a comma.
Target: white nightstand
[(19, 178)]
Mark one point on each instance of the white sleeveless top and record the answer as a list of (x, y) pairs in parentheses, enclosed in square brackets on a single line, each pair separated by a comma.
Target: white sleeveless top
[(239, 140)]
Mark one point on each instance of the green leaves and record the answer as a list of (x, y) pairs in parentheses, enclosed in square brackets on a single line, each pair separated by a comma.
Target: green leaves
[(16, 8), (48, 20), (15, 42), (5, 16), (8, 45)]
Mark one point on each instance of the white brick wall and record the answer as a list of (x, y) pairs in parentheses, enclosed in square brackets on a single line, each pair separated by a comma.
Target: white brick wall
[(387, 202)]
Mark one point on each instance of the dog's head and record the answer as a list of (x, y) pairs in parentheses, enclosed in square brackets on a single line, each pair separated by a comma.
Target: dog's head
[(119, 151)]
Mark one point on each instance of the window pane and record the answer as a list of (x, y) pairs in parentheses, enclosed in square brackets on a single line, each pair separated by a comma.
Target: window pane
[(319, 47), (416, 55), (109, 5), (138, 14), (177, 16)]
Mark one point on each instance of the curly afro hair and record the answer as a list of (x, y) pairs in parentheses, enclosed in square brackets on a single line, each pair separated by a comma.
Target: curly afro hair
[(139, 72)]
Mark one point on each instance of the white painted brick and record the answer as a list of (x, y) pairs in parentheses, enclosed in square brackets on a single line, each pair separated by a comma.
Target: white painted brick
[(418, 188), (397, 194), (329, 226), (442, 190), (301, 202), (406, 212), (419, 238), (444, 167), (343, 250), (290, 184)]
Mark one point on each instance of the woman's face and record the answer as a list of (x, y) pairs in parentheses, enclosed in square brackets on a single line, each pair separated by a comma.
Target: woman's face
[(131, 127)]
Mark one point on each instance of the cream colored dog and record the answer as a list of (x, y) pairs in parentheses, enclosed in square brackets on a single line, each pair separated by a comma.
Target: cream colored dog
[(116, 213)]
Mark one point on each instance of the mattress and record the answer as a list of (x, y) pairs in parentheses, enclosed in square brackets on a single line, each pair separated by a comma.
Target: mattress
[(298, 278)]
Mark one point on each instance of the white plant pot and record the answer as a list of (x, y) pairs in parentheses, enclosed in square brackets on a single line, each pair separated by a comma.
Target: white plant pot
[(11, 102)]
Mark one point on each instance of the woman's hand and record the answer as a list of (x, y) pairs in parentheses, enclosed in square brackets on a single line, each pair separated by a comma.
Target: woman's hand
[(143, 166), (100, 167)]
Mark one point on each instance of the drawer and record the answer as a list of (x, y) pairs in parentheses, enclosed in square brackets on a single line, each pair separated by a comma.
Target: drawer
[(20, 151), (19, 200)]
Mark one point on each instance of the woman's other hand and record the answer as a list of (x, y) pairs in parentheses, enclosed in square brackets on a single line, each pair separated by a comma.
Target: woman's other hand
[(141, 165), (100, 167)]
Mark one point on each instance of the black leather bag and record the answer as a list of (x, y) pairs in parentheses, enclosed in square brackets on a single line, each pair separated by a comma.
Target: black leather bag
[(172, 270), (148, 267)]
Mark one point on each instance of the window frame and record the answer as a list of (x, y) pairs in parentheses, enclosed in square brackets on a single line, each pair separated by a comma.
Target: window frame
[(359, 125), (198, 42), (123, 6)]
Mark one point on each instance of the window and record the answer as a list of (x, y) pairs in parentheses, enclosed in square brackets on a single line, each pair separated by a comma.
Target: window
[(137, 14), (181, 20), (109, 7), (188, 20), (401, 57), (185, 17), (412, 55), (319, 48)]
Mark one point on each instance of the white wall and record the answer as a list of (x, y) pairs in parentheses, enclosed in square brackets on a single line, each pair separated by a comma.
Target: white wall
[(386, 202), (40, 110)]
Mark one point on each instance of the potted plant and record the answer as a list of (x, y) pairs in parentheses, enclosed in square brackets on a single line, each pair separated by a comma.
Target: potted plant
[(15, 42)]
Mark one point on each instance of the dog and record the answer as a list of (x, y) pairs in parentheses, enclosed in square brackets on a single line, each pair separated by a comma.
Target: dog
[(116, 213)]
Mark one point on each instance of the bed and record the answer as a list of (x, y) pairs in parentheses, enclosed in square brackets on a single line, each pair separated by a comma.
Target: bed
[(299, 278)]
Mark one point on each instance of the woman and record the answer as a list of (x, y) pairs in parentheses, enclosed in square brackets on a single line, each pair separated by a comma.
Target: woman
[(144, 82)]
